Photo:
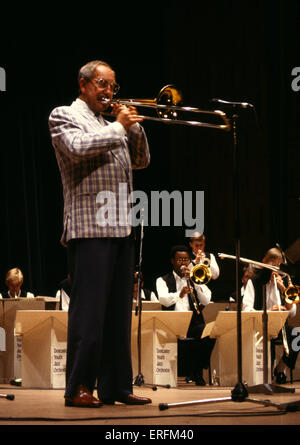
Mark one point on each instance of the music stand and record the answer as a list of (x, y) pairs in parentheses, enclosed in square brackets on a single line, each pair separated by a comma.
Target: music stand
[(239, 392)]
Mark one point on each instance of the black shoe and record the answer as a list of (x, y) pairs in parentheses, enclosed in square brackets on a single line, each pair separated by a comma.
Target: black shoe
[(189, 379), (280, 377), (130, 399), (16, 382), (199, 381)]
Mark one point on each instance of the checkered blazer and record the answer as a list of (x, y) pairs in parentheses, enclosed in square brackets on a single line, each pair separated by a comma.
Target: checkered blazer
[(95, 156)]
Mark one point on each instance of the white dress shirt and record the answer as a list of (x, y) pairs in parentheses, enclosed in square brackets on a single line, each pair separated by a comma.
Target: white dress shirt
[(28, 295), (153, 297), (272, 295), (167, 298)]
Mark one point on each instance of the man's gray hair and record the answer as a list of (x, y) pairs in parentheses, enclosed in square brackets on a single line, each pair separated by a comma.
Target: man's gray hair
[(87, 71)]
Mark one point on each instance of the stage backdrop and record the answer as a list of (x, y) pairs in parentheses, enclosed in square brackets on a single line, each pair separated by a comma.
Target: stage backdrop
[(238, 51)]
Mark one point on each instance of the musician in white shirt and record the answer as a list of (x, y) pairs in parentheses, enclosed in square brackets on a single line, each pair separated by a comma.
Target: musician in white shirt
[(197, 244), (274, 288), (176, 293)]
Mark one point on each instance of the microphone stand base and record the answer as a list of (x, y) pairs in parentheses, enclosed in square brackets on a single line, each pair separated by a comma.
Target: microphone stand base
[(139, 381), (239, 393)]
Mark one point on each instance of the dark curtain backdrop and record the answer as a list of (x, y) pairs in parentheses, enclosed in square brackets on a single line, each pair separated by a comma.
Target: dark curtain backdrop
[(240, 51)]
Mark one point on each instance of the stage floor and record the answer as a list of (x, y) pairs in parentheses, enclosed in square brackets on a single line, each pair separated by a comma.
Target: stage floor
[(46, 407)]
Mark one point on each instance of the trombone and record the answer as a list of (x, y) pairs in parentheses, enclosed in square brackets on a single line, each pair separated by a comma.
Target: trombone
[(194, 298), (291, 293), (201, 273), (254, 263), (167, 104)]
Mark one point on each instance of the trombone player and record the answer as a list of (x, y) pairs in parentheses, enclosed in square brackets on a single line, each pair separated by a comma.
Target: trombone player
[(275, 288), (94, 156), (176, 292)]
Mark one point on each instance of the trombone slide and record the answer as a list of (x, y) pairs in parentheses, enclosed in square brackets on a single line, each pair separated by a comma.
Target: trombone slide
[(167, 104)]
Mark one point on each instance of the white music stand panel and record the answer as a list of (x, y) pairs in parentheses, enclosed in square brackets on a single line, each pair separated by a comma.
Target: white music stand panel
[(159, 333), (224, 329)]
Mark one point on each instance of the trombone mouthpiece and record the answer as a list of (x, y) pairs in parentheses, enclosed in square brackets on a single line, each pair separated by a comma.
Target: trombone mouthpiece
[(105, 100)]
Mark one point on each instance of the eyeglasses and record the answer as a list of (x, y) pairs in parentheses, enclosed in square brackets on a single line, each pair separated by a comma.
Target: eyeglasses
[(183, 260), (103, 83)]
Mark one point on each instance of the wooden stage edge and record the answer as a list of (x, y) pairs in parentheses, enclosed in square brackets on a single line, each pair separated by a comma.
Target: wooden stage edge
[(41, 407)]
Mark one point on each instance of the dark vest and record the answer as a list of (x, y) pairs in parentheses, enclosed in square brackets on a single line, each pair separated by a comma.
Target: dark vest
[(196, 320), (147, 293), (66, 286), (22, 295), (259, 281)]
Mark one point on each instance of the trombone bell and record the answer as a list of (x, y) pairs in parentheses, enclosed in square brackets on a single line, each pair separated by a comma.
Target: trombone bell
[(168, 95), (292, 294), (200, 274)]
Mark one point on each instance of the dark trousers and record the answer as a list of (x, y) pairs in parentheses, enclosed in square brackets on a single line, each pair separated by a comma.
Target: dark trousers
[(197, 350), (99, 323), (289, 360)]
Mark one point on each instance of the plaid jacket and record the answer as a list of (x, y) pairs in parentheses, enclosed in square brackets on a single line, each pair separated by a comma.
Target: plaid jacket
[(95, 156)]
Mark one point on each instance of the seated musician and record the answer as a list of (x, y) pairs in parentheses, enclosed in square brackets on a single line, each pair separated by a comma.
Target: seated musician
[(248, 272), (174, 293), (64, 293), (274, 289), (197, 244), (14, 281), (146, 294)]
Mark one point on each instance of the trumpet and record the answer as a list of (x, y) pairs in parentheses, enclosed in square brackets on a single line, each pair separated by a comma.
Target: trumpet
[(167, 104)]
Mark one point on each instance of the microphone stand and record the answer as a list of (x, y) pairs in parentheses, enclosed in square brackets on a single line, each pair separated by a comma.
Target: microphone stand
[(139, 379), (240, 392)]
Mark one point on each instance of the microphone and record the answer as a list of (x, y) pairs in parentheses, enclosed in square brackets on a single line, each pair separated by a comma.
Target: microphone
[(234, 104)]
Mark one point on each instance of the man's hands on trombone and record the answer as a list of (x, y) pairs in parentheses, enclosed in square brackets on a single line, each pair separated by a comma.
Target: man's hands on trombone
[(279, 281), (185, 272), (126, 115), (280, 284)]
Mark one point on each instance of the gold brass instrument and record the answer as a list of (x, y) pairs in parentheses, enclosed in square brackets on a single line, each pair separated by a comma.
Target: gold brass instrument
[(201, 273), (283, 330), (191, 292), (292, 293), (254, 263), (194, 297), (167, 104)]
